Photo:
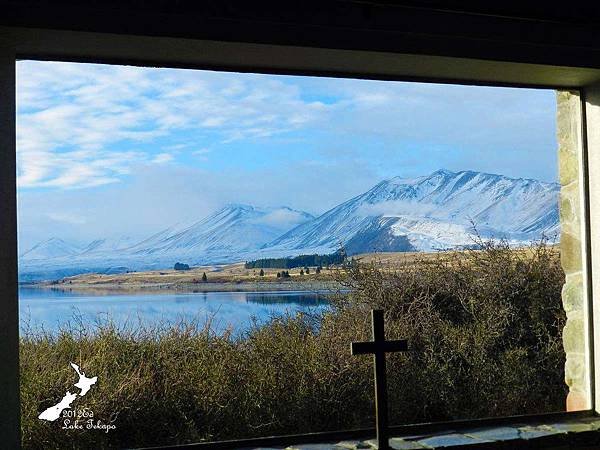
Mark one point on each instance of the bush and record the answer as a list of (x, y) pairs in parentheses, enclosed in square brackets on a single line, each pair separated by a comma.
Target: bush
[(484, 330)]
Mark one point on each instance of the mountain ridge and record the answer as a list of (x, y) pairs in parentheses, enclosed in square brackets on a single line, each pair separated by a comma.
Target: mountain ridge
[(425, 213), (500, 206)]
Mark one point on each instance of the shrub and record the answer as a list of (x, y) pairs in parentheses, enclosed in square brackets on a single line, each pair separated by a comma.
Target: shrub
[(484, 330)]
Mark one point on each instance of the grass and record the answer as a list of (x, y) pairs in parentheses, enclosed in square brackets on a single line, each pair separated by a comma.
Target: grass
[(232, 277), (484, 328)]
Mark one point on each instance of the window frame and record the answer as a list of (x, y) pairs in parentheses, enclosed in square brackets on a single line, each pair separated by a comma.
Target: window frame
[(21, 43)]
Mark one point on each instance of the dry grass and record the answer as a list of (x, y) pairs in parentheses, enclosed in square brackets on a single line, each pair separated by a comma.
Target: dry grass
[(227, 277)]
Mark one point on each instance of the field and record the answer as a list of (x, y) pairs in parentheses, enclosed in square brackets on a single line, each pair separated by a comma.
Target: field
[(232, 277)]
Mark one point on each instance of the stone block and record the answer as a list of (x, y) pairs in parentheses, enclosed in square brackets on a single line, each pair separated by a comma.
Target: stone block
[(534, 432), (452, 440), (575, 372), (353, 445), (574, 334), (495, 433), (568, 164), (570, 209), (401, 444), (573, 427), (577, 401), (570, 252), (572, 293)]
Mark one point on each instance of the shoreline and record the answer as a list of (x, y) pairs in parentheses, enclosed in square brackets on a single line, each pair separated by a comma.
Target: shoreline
[(226, 278), (190, 288)]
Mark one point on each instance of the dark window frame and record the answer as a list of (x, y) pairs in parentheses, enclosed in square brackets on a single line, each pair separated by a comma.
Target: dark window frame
[(97, 48)]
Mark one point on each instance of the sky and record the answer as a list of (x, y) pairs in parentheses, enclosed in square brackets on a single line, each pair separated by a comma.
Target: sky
[(109, 151)]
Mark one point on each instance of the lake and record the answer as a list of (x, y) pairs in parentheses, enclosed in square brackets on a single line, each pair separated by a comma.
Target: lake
[(53, 309)]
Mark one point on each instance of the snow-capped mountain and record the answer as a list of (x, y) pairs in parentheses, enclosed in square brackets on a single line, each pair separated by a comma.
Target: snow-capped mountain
[(426, 213), (50, 248), (104, 245), (436, 211), (231, 230), (224, 236)]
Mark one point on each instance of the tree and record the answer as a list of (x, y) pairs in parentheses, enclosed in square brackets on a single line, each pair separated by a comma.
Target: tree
[(278, 274), (301, 272), (307, 270), (204, 277), (319, 268), (262, 273), (181, 266)]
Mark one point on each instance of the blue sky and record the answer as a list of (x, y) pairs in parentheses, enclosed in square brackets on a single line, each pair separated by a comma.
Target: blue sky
[(118, 150)]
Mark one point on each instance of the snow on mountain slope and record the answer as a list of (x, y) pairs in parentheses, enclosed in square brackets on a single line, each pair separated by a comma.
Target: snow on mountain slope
[(431, 212), (426, 213), (51, 248), (103, 245), (223, 236), (233, 229)]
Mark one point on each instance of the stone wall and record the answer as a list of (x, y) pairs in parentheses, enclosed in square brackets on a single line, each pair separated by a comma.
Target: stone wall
[(575, 331)]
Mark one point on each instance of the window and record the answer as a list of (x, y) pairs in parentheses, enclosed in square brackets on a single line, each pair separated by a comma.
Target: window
[(207, 244)]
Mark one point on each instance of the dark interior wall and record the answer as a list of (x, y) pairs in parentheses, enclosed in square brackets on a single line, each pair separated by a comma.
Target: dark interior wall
[(524, 31)]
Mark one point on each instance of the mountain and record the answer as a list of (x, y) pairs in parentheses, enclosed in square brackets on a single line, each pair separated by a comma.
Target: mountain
[(104, 245), (233, 229), (431, 212), (225, 236), (50, 248)]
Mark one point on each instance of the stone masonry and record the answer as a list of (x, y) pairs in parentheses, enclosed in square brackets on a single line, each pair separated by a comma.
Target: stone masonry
[(575, 331)]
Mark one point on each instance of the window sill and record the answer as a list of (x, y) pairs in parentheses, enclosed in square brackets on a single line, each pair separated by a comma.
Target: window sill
[(566, 434), (553, 431)]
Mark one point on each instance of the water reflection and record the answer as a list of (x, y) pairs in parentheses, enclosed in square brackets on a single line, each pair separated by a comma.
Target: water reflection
[(52, 309)]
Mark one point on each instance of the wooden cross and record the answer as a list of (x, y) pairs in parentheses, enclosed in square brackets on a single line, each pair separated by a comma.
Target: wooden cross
[(378, 347)]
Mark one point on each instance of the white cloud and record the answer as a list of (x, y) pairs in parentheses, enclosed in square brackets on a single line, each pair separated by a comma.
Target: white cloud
[(83, 125), (162, 158), (72, 116), (282, 218)]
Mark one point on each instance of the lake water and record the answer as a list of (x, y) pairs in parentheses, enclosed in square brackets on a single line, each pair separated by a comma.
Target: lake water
[(53, 309)]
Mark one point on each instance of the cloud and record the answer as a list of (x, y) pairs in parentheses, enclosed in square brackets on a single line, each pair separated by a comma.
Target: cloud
[(73, 169), (151, 147), (75, 115), (508, 125), (283, 219), (200, 154), (162, 158)]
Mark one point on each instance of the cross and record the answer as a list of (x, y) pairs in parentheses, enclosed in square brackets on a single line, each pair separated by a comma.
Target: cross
[(378, 347)]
